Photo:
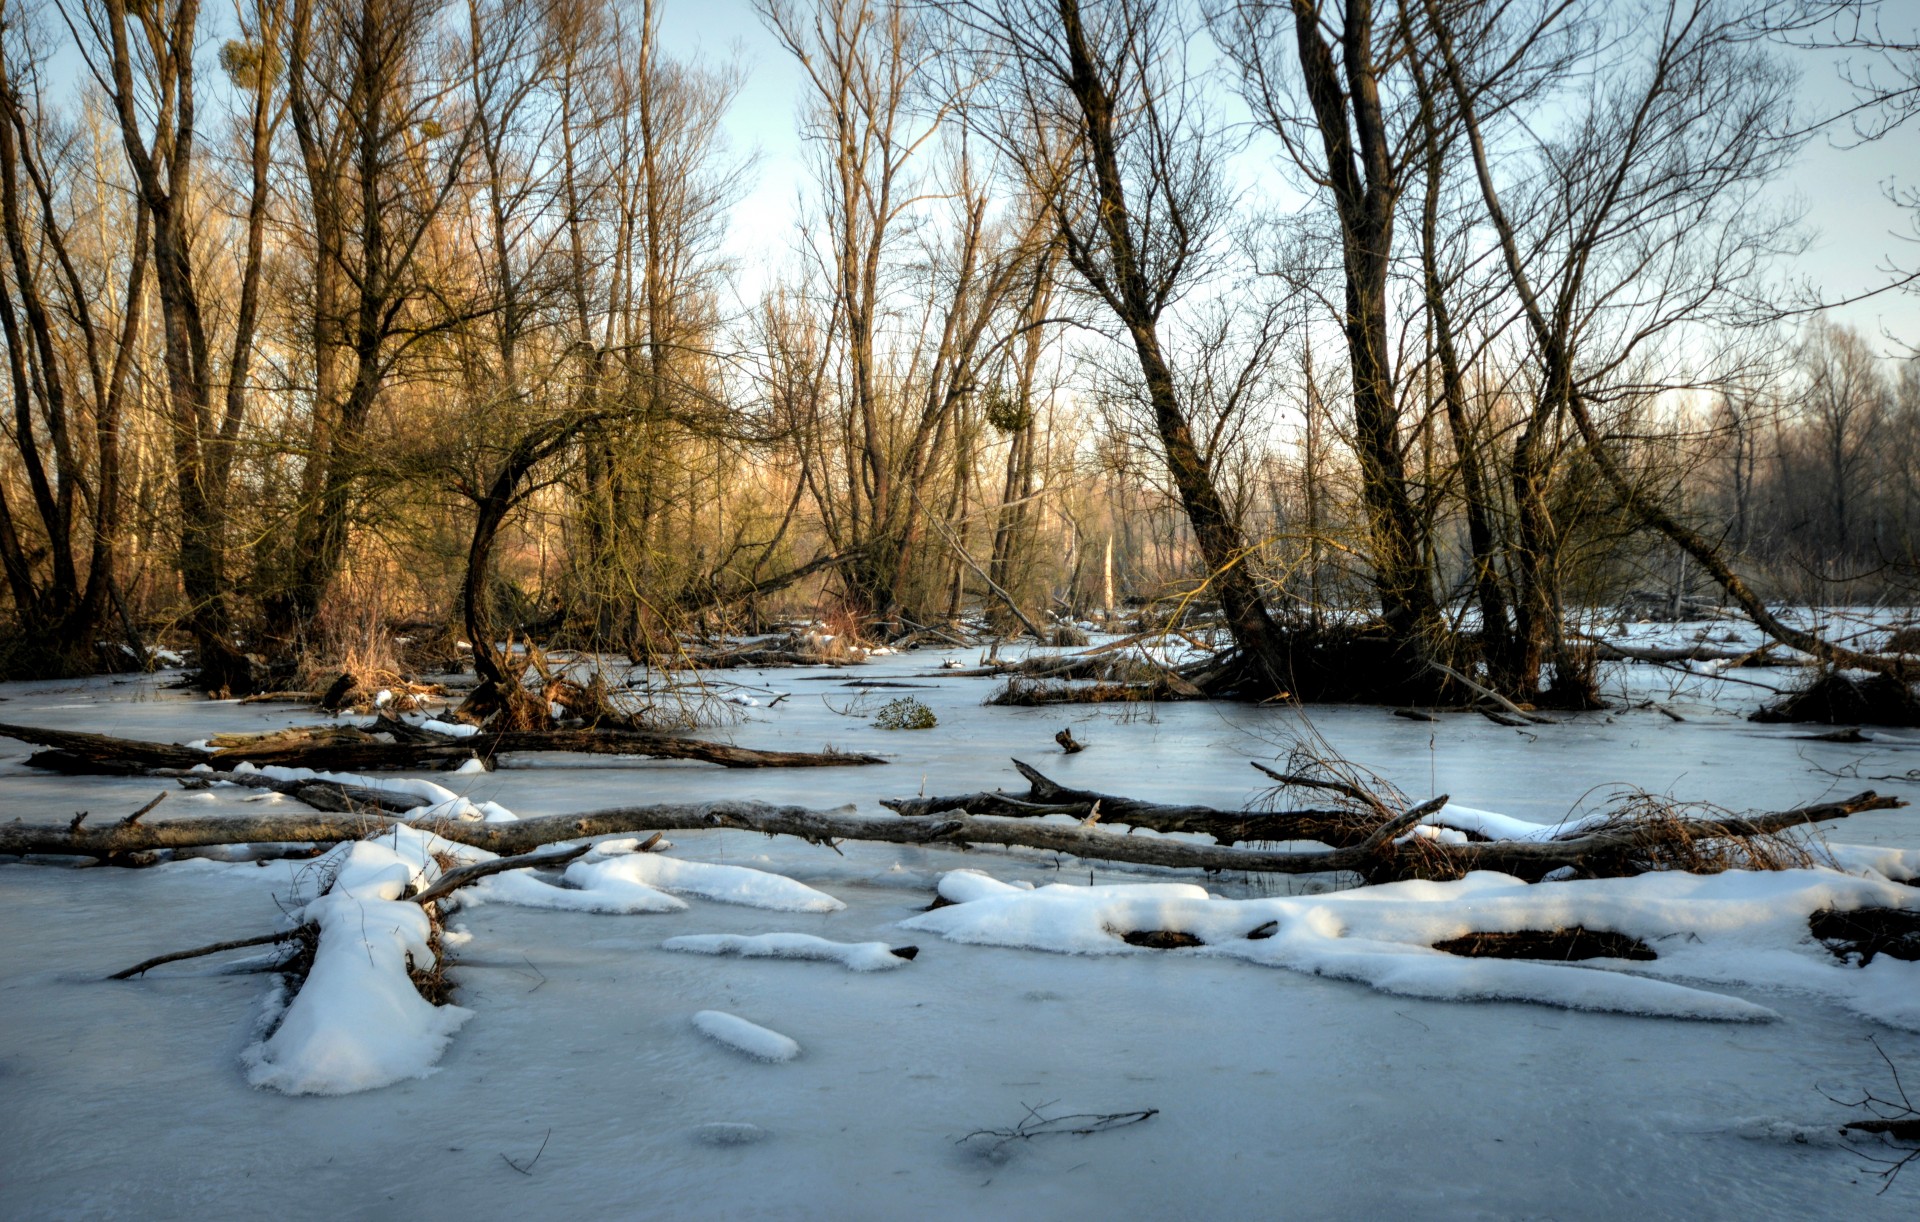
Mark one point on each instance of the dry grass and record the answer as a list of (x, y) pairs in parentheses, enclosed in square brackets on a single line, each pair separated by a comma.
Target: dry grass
[(353, 656), (1665, 834), (431, 981)]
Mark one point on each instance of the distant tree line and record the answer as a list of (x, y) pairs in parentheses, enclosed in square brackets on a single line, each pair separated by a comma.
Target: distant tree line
[(325, 319)]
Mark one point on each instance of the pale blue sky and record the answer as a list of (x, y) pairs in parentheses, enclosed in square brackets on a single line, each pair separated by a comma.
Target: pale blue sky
[(1857, 230)]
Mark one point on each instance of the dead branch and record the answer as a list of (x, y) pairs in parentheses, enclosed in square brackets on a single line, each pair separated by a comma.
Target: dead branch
[(266, 939), (453, 880), (1896, 1119), (1339, 828), (1332, 784), (442, 887), (1036, 1124), (1488, 693), (135, 816), (1613, 651)]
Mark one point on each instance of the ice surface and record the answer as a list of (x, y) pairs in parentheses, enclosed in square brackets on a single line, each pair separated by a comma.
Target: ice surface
[(724, 1133), (1274, 1086), (754, 1040)]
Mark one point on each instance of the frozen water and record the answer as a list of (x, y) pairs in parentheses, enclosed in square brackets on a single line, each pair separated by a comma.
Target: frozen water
[(1281, 1092)]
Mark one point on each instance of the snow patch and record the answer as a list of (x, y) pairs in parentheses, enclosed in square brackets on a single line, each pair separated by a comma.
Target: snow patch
[(1740, 928), (357, 1022), (737, 1033), (590, 890), (726, 884), (857, 956)]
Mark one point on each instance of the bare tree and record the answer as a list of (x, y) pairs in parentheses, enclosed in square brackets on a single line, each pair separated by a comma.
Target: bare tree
[(1108, 130), (61, 376), (1325, 79), (145, 64)]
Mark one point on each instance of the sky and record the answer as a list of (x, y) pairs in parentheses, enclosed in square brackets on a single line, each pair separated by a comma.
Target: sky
[(1857, 231)]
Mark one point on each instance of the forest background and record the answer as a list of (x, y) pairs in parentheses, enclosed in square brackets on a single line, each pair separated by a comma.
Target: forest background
[(1395, 336)]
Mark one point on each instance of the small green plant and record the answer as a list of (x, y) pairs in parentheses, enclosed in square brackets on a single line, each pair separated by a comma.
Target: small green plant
[(906, 713)]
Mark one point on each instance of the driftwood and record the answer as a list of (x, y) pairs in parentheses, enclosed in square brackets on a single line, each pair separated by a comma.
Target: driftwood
[(1339, 828), (79, 753), (1377, 856)]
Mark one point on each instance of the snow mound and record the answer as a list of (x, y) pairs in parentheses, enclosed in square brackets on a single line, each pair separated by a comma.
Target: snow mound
[(726, 884), (403, 786), (1505, 827), (962, 886), (357, 1022), (387, 863), (1877, 861), (465, 809), (1741, 928), (737, 1033), (1788, 1132), (590, 892), (857, 956)]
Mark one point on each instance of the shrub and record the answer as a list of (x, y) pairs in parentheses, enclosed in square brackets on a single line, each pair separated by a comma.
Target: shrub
[(906, 713)]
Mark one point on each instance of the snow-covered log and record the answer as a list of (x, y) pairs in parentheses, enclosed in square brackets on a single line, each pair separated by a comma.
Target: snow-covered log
[(76, 752), (1377, 856)]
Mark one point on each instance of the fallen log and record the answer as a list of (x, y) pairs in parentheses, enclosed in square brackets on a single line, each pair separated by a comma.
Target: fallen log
[(1379, 856), (1613, 651), (526, 835), (1339, 828), (80, 753)]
